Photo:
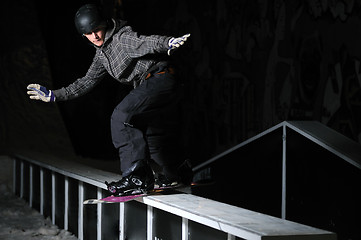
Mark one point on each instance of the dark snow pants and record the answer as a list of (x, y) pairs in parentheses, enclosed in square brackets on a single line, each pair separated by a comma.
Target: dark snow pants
[(146, 125)]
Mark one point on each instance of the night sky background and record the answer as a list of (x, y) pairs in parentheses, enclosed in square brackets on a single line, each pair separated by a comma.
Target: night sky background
[(247, 66)]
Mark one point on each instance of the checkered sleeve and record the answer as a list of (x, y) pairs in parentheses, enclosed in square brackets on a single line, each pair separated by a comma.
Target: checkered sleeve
[(81, 86), (140, 45)]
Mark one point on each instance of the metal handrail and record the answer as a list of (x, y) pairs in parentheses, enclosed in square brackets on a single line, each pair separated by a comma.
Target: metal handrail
[(232, 221)]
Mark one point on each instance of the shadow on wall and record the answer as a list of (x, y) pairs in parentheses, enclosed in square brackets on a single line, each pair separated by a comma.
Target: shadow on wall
[(6, 173)]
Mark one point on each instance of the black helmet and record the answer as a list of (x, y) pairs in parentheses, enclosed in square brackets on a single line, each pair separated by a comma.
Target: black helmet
[(88, 18)]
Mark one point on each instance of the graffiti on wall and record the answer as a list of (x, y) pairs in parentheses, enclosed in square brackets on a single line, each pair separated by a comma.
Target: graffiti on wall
[(256, 63)]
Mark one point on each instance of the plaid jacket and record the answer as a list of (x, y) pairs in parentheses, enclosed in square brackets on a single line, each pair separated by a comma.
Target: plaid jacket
[(125, 55)]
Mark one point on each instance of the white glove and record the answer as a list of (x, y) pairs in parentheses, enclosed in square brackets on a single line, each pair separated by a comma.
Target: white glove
[(175, 43), (39, 92)]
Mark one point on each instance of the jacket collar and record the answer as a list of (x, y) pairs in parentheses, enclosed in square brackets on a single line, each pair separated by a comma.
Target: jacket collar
[(113, 27)]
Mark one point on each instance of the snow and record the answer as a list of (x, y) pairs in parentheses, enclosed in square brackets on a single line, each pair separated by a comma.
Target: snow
[(18, 221)]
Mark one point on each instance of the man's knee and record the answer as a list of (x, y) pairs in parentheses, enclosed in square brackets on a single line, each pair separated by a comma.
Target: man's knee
[(119, 116)]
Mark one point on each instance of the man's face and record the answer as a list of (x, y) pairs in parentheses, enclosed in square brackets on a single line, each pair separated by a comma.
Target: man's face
[(96, 36)]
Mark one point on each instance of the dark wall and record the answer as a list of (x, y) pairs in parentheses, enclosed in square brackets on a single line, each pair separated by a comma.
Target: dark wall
[(26, 124), (252, 64), (247, 66)]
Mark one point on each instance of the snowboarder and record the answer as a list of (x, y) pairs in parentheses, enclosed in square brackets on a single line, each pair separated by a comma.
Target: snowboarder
[(144, 125)]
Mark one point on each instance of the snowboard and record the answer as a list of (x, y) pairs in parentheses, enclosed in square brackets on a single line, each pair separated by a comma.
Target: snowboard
[(112, 199), (155, 191), (119, 199)]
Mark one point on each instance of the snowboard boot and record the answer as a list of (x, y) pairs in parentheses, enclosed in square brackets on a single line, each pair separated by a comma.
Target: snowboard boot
[(162, 182), (183, 176), (139, 181), (185, 172)]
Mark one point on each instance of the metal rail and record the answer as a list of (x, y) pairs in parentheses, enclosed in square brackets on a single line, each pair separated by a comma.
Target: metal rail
[(57, 188), (319, 134)]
